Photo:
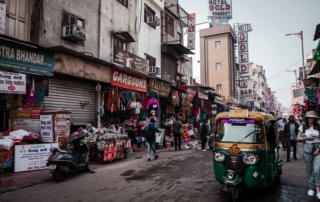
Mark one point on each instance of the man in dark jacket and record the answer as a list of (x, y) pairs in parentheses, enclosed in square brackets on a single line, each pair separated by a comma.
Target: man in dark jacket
[(177, 133), (151, 141), (203, 133), (290, 134)]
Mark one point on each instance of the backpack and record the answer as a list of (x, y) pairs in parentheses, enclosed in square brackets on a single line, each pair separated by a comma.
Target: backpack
[(151, 133)]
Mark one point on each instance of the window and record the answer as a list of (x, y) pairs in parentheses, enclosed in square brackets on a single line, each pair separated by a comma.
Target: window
[(124, 2), (169, 26), (218, 66), (69, 19), (217, 44), (219, 87), (179, 38), (118, 42), (148, 12), (152, 60)]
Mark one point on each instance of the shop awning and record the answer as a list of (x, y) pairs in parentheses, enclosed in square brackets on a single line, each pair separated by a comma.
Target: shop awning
[(219, 101), (316, 69), (126, 36), (179, 48)]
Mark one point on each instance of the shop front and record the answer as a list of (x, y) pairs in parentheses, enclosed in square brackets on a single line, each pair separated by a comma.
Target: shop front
[(24, 73)]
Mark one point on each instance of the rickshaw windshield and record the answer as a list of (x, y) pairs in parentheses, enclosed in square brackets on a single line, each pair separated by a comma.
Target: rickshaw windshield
[(236, 130)]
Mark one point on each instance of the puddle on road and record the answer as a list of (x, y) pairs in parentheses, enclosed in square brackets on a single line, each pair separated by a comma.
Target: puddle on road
[(128, 173)]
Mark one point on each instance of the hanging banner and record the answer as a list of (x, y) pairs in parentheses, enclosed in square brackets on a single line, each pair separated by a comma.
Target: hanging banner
[(12, 83), (124, 80), (191, 92), (32, 156), (46, 128), (191, 31), (220, 8)]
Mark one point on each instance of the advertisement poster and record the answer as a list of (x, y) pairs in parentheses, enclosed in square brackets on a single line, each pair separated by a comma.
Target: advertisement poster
[(62, 129), (46, 128), (32, 157), (13, 83), (191, 31), (32, 125), (130, 60)]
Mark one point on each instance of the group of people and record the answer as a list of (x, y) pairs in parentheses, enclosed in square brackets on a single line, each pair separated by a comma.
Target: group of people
[(307, 132), (151, 131)]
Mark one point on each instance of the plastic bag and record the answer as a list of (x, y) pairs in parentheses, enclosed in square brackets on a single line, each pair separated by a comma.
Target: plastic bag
[(19, 134)]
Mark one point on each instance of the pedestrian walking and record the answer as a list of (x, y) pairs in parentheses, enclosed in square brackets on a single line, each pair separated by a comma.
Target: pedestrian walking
[(203, 133), (177, 133), (281, 124), (151, 138), (290, 133), (309, 134)]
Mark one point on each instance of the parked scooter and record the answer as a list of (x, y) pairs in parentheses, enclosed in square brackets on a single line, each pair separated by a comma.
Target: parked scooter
[(63, 162)]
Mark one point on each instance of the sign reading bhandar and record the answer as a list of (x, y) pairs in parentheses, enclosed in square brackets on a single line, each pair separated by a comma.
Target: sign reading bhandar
[(26, 58)]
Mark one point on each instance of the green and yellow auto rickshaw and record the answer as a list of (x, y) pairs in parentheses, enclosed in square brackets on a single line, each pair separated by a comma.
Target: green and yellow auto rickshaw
[(245, 154)]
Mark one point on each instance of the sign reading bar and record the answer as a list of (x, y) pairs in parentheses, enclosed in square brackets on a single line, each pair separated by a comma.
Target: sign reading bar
[(130, 60), (124, 80), (12, 83), (25, 59), (32, 157), (220, 8), (241, 113), (162, 89)]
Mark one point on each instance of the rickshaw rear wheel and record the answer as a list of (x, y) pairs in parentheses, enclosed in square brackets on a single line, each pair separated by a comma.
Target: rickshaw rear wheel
[(233, 193)]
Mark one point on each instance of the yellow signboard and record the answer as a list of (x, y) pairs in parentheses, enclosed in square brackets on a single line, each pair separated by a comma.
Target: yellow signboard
[(239, 113)]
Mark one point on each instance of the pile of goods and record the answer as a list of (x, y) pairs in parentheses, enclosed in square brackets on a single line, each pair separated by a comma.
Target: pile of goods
[(111, 143), (8, 138)]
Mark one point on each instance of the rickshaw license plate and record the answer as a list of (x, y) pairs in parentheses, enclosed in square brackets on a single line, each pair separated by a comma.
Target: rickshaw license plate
[(234, 160), (52, 166)]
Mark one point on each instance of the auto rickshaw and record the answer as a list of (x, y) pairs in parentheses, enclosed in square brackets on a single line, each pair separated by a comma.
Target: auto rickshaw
[(245, 151)]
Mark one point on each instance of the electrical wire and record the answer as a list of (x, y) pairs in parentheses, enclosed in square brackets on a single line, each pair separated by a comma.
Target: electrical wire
[(285, 69)]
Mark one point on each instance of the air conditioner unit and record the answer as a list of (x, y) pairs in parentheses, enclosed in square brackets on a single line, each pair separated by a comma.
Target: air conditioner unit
[(73, 33), (153, 20), (153, 70)]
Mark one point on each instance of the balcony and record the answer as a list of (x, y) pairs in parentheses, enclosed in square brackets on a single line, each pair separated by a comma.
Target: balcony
[(177, 11)]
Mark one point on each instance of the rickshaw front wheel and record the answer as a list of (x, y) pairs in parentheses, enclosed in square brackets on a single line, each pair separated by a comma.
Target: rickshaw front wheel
[(233, 193)]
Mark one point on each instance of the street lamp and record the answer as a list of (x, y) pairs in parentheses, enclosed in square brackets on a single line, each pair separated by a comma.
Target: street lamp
[(301, 37), (295, 72)]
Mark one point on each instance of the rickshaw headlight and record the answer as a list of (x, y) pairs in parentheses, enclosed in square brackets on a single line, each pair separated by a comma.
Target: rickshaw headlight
[(219, 156), (230, 175), (250, 159)]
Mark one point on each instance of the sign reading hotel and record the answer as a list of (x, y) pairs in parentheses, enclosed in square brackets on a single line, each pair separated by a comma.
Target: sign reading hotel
[(220, 8), (127, 81), (191, 31), (26, 59), (243, 46)]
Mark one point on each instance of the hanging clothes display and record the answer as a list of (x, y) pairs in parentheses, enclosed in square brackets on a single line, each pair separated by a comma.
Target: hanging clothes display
[(185, 105)]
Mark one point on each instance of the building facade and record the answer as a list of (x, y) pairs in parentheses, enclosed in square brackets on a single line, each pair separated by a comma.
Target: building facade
[(217, 60)]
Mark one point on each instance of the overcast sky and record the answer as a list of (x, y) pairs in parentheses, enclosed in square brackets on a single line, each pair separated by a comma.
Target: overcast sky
[(268, 45)]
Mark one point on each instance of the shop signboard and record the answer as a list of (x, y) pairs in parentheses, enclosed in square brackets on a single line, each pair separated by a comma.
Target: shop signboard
[(130, 60), (62, 129), (13, 83), (191, 31), (220, 8), (191, 92), (247, 88), (24, 113), (127, 81), (26, 58), (297, 99), (298, 92), (161, 88), (46, 128), (32, 156), (32, 125)]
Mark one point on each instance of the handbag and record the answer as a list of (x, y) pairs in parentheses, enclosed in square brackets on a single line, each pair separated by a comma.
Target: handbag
[(133, 105)]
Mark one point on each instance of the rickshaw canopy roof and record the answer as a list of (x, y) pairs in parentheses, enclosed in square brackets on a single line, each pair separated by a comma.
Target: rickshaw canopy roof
[(259, 116)]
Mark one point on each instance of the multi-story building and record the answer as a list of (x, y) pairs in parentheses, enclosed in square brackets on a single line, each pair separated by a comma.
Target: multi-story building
[(175, 66), (217, 61)]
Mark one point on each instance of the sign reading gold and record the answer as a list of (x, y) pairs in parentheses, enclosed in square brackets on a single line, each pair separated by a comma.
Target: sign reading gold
[(234, 150), (160, 88)]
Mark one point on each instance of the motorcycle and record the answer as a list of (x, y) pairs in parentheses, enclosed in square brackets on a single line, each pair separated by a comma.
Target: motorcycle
[(63, 162)]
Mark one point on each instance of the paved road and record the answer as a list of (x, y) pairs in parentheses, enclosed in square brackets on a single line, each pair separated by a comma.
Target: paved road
[(175, 176)]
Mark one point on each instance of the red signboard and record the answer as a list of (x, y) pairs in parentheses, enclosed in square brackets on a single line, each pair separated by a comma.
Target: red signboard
[(191, 92), (127, 81)]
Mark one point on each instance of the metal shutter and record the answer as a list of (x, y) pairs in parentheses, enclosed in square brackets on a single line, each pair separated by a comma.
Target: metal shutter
[(66, 93)]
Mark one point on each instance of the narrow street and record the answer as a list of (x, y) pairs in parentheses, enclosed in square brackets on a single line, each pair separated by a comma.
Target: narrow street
[(176, 176)]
